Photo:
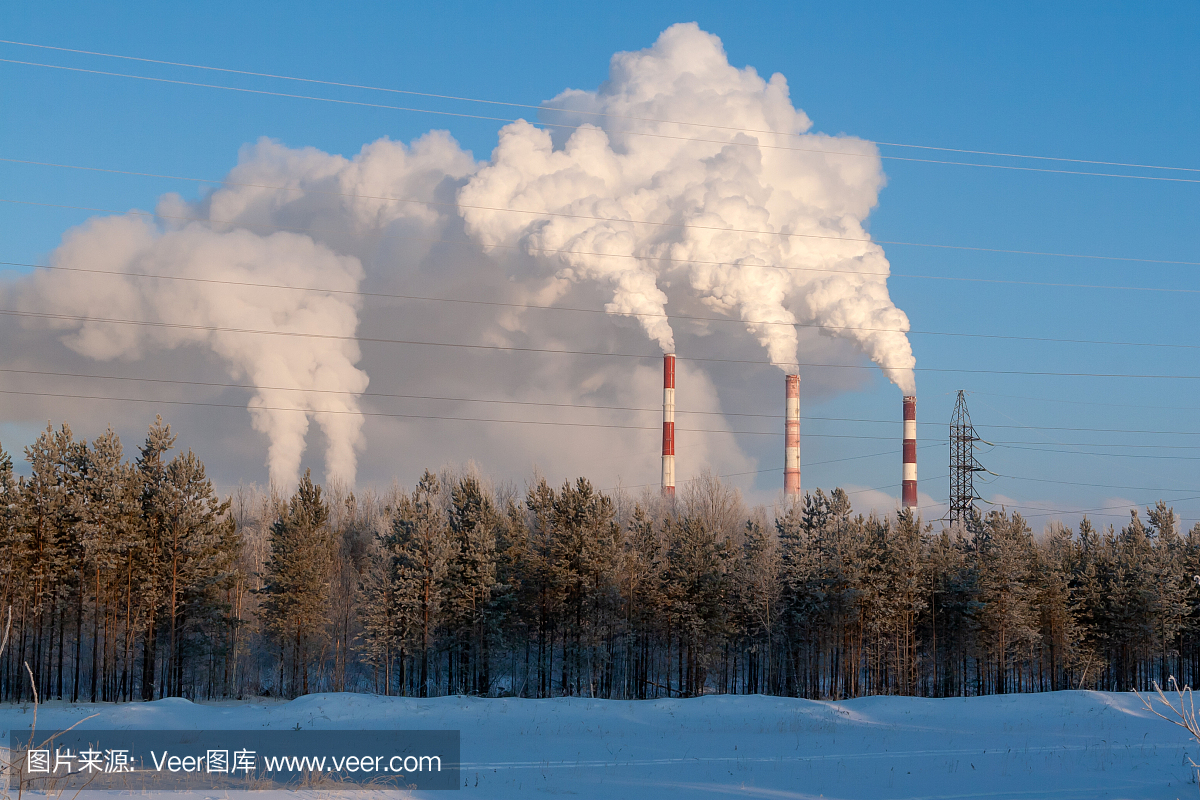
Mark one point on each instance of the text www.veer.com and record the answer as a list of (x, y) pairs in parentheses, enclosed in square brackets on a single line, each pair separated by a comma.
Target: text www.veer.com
[(397, 764)]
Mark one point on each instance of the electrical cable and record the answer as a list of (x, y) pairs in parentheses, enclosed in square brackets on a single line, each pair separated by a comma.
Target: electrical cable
[(1091, 485), (1084, 402), (550, 423), (1126, 509), (645, 409), (577, 111), (607, 255), (572, 111), (600, 311), (243, 407), (774, 433), (509, 348), (1106, 455), (351, 412), (804, 465), (502, 209), (561, 126)]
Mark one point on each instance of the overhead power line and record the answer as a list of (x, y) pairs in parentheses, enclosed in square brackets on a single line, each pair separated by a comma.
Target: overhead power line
[(1125, 508), (806, 464), (305, 410), (603, 114), (598, 311), (1046, 284), (1090, 485), (440, 417), (595, 353), (780, 469), (1106, 455), (552, 423), (1132, 445), (541, 404), (449, 418), (544, 109), (504, 209), (1085, 402)]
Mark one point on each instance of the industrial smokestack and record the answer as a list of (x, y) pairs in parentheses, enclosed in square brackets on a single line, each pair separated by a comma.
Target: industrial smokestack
[(909, 490), (668, 449), (791, 437)]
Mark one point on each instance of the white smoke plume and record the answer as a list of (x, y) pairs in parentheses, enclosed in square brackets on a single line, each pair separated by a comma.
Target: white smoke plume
[(767, 229), (224, 238), (320, 368), (765, 226)]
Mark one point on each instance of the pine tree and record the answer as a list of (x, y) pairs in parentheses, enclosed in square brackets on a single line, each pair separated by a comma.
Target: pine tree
[(898, 594), (14, 544), (1169, 588), (380, 613), (1006, 616), (1058, 629), (297, 582), (542, 595), (584, 551), (469, 584), (1088, 587), (198, 555), (641, 587), (419, 548), (49, 521), (697, 587), (156, 495), (355, 524), (108, 522), (759, 592), (802, 607)]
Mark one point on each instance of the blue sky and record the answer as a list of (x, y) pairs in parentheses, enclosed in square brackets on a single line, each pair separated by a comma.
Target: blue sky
[(1105, 82)]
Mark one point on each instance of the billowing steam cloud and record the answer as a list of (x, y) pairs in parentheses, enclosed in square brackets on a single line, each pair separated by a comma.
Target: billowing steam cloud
[(292, 373), (216, 247), (765, 226)]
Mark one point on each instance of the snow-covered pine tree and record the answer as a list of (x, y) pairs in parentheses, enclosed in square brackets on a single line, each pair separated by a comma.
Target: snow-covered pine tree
[(542, 596), (1058, 630), (383, 627), (419, 549), (356, 521), (901, 601), (155, 498), (1169, 587), (296, 586), (199, 555), (584, 555), (697, 587), (48, 520), (758, 589), (641, 587), (107, 522), (470, 582), (13, 574), (1006, 594), (1088, 585)]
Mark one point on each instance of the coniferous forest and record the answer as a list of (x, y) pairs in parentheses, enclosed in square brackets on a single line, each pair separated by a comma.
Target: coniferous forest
[(129, 578)]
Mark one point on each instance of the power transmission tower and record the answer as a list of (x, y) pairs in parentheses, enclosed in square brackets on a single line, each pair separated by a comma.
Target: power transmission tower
[(963, 465)]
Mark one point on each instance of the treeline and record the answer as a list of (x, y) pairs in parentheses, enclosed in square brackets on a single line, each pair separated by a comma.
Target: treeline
[(133, 580)]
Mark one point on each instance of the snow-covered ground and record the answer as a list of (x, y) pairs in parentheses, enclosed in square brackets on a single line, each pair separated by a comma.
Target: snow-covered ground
[(1058, 745)]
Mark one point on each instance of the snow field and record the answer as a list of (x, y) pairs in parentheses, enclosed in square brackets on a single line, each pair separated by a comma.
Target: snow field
[(1056, 746)]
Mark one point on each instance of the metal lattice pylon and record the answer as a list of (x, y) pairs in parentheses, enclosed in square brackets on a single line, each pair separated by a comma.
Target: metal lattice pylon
[(963, 465)]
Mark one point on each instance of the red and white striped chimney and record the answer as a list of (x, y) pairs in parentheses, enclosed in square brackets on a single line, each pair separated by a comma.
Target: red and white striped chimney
[(909, 490), (668, 450), (791, 437)]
